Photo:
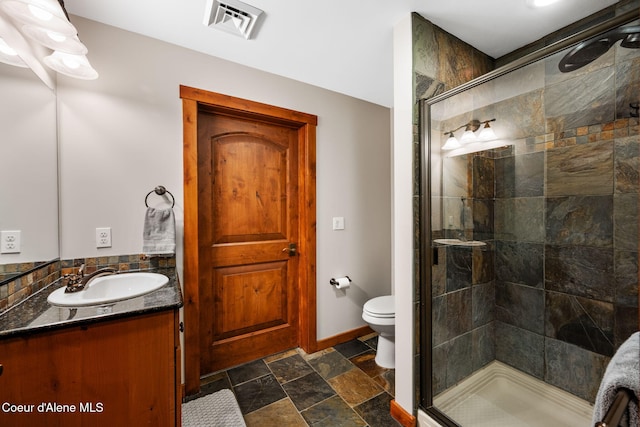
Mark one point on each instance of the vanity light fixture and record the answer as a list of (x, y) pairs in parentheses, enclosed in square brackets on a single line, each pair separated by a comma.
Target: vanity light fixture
[(8, 55), (45, 22), (54, 40), (71, 65), (469, 135), (47, 14)]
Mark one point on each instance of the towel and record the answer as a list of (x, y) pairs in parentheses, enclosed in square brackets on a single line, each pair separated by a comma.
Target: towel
[(623, 371), (159, 232)]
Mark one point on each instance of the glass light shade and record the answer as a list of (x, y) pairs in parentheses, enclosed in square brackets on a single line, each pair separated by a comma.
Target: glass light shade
[(487, 134), (9, 56), (451, 144), (468, 136), (43, 13), (540, 3), (55, 41), (77, 66)]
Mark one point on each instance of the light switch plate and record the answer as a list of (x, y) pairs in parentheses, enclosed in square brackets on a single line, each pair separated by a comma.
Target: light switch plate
[(338, 223)]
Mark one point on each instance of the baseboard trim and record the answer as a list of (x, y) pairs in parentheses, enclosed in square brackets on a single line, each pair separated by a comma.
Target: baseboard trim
[(402, 416), (343, 337)]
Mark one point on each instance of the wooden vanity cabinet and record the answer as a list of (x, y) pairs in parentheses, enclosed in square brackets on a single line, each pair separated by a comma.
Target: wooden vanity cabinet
[(123, 372)]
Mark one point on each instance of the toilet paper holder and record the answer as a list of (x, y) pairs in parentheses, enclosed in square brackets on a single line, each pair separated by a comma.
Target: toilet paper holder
[(334, 282)]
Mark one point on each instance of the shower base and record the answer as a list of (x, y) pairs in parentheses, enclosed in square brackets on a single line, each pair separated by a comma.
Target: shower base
[(498, 395)]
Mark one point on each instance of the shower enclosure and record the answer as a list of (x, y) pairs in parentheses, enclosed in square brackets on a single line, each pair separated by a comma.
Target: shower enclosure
[(529, 235)]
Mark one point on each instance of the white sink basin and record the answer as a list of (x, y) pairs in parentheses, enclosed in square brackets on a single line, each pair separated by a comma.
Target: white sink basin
[(109, 289), (458, 242)]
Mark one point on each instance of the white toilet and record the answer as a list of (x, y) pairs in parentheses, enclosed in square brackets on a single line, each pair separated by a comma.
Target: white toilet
[(380, 314)]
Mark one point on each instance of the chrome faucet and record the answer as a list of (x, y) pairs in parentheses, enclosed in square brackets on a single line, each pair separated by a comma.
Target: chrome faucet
[(78, 282)]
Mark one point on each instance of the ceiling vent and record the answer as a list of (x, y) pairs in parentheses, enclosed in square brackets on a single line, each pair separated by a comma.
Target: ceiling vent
[(231, 16)]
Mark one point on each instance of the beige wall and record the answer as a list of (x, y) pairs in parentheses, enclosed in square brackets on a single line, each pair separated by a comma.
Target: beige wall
[(121, 135)]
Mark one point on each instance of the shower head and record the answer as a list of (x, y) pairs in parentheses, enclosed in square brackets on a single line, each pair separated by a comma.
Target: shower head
[(590, 50)]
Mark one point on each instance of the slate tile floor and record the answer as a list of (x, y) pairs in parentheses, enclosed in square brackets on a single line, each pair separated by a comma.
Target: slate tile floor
[(340, 386)]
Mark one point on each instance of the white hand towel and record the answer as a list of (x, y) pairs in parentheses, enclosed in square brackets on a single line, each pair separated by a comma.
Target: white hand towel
[(159, 233)]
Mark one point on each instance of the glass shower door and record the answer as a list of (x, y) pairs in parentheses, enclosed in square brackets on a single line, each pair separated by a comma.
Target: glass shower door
[(534, 238)]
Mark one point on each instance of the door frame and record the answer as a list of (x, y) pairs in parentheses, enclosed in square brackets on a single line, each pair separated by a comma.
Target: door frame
[(193, 101)]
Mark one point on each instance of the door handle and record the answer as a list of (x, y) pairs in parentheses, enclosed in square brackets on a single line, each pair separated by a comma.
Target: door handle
[(291, 249), (1, 369)]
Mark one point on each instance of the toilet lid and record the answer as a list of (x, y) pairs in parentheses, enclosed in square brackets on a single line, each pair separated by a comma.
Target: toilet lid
[(381, 306)]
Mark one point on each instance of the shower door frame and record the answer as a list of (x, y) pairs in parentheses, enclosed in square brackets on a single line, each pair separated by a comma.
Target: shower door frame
[(425, 249)]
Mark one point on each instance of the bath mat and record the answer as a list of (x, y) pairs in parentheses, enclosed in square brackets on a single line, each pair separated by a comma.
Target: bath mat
[(219, 409)]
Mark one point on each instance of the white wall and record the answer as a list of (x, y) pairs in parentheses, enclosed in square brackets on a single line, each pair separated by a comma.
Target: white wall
[(403, 253), (121, 135)]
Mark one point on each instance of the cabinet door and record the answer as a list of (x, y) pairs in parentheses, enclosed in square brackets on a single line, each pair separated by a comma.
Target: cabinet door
[(111, 373)]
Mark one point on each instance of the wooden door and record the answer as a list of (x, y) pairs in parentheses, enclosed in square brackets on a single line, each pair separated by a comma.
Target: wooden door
[(249, 234)]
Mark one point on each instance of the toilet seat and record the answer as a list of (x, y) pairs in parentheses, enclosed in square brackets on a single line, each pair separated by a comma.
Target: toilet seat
[(381, 307)]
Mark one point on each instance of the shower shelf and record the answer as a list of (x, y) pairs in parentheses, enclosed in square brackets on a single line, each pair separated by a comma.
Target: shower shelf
[(458, 242)]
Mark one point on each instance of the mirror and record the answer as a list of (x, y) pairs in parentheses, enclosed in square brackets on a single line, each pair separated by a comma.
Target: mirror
[(28, 170)]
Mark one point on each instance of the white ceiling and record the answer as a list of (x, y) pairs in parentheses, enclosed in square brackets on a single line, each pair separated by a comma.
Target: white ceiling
[(341, 45)]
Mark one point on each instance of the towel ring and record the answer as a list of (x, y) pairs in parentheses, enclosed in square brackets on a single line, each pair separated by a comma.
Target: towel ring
[(160, 190)]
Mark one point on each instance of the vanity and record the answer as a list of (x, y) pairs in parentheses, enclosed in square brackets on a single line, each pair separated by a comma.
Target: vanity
[(102, 365), (110, 365)]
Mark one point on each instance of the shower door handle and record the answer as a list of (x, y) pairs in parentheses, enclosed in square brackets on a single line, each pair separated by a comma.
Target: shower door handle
[(291, 249)]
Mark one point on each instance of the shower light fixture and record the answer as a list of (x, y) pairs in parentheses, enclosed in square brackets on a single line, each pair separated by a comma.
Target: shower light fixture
[(540, 3), (452, 143), (487, 133), (45, 22), (469, 135)]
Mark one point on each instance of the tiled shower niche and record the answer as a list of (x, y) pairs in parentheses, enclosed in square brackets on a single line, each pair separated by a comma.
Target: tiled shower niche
[(553, 291)]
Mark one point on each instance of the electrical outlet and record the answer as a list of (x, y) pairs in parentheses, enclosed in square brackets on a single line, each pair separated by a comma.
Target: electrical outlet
[(338, 223), (103, 237), (10, 242)]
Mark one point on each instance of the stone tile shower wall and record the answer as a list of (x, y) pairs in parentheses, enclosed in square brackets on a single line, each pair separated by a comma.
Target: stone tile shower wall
[(555, 291), (440, 62), (567, 259), (463, 313)]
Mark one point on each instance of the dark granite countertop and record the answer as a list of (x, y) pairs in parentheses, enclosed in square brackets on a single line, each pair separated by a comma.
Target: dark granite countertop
[(35, 314)]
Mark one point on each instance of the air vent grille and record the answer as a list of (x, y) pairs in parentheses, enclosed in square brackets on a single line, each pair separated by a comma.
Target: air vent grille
[(232, 16)]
